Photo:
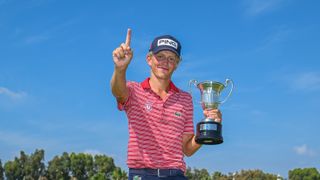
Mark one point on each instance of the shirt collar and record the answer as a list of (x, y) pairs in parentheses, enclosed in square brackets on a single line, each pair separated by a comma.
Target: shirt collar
[(146, 85)]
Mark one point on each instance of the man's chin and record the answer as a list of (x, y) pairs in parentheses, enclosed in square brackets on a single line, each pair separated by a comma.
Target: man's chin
[(163, 77)]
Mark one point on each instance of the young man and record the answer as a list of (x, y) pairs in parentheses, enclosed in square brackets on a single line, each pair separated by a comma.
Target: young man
[(160, 115)]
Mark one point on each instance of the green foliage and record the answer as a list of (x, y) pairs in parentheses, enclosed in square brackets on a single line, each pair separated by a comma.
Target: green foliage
[(1, 171), (26, 167), (197, 174), (65, 167), (13, 169), (304, 174), (104, 165), (203, 174), (81, 165), (119, 174), (219, 176), (254, 175), (59, 167), (35, 166), (101, 167)]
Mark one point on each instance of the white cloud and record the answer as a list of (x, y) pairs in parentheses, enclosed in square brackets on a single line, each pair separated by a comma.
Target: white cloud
[(279, 35), (11, 94), (36, 39), (256, 7), (25, 141), (43, 35), (304, 150), (309, 81), (258, 113)]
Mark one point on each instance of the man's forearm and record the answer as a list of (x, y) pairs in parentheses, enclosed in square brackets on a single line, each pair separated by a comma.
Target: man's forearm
[(118, 85), (191, 146)]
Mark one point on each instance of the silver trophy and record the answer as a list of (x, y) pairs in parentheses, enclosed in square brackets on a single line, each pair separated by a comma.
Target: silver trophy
[(208, 130)]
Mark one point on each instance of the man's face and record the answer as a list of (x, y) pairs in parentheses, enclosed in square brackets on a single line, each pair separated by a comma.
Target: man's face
[(163, 64)]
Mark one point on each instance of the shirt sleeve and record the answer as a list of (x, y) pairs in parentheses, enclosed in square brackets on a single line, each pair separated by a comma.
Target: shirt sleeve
[(123, 106), (189, 128)]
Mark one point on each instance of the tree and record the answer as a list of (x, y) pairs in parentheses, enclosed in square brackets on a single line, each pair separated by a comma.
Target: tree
[(35, 167), (254, 174), (59, 167), (219, 176), (81, 165), (1, 171), (202, 174), (189, 173), (119, 174), (66, 167), (304, 174), (26, 167), (14, 169), (104, 165), (197, 174)]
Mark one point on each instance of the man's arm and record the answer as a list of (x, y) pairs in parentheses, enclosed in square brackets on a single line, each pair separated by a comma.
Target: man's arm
[(121, 58), (118, 85), (189, 145)]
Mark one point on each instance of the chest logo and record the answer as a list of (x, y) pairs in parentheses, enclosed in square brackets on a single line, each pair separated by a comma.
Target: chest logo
[(148, 106), (178, 114)]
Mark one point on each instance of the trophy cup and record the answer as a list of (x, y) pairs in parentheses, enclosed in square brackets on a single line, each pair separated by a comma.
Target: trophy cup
[(208, 130)]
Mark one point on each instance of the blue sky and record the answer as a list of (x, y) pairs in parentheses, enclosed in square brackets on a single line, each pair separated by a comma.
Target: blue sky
[(56, 65)]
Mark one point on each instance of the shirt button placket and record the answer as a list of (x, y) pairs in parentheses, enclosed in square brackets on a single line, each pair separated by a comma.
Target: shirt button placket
[(163, 117)]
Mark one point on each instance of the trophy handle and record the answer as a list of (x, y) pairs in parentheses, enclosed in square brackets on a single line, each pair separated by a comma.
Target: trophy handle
[(192, 82), (227, 83)]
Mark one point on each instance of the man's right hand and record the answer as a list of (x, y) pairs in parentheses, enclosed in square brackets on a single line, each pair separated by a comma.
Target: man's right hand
[(123, 54)]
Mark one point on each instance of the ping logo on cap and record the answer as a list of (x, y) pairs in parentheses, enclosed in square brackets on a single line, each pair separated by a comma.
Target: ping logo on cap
[(167, 42)]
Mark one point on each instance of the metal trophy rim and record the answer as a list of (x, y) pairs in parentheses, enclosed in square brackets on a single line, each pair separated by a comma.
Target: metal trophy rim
[(227, 81), (211, 82)]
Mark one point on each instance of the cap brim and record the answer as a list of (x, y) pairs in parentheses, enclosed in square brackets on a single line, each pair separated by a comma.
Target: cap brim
[(165, 48)]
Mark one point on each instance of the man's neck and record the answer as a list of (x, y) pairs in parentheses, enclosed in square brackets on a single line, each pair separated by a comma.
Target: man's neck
[(159, 86)]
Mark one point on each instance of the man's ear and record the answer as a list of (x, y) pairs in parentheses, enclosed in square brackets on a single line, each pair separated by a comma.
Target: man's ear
[(149, 59), (176, 66)]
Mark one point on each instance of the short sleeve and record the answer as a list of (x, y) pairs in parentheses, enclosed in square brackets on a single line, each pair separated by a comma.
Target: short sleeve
[(189, 128)]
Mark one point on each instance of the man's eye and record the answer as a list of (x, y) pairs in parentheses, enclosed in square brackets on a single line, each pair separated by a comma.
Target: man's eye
[(160, 57), (171, 59)]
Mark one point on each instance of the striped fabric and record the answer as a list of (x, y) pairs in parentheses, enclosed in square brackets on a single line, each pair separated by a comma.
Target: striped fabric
[(156, 126)]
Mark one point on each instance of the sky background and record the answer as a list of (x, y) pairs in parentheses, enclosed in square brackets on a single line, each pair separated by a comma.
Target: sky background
[(56, 64)]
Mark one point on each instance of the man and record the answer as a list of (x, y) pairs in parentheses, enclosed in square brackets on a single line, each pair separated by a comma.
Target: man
[(160, 115)]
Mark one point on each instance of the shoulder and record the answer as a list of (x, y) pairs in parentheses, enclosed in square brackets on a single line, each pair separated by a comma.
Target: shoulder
[(133, 84), (185, 94), (184, 97)]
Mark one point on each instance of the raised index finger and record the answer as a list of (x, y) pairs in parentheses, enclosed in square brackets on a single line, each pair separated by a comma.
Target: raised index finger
[(128, 39)]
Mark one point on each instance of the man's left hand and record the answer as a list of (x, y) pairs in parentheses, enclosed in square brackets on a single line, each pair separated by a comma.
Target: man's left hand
[(214, 114)]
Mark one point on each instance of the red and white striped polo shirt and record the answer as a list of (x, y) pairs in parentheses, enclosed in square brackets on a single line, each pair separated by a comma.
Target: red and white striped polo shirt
[(156, 126)]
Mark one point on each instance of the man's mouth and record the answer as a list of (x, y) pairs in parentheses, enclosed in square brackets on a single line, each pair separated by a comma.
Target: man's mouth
[(163, 68)]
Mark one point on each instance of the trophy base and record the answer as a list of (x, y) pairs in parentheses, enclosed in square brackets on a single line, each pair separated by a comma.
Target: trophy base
[(209, 132)]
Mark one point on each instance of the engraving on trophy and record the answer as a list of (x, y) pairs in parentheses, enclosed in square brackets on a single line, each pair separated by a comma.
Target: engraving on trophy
[(208, 127)]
